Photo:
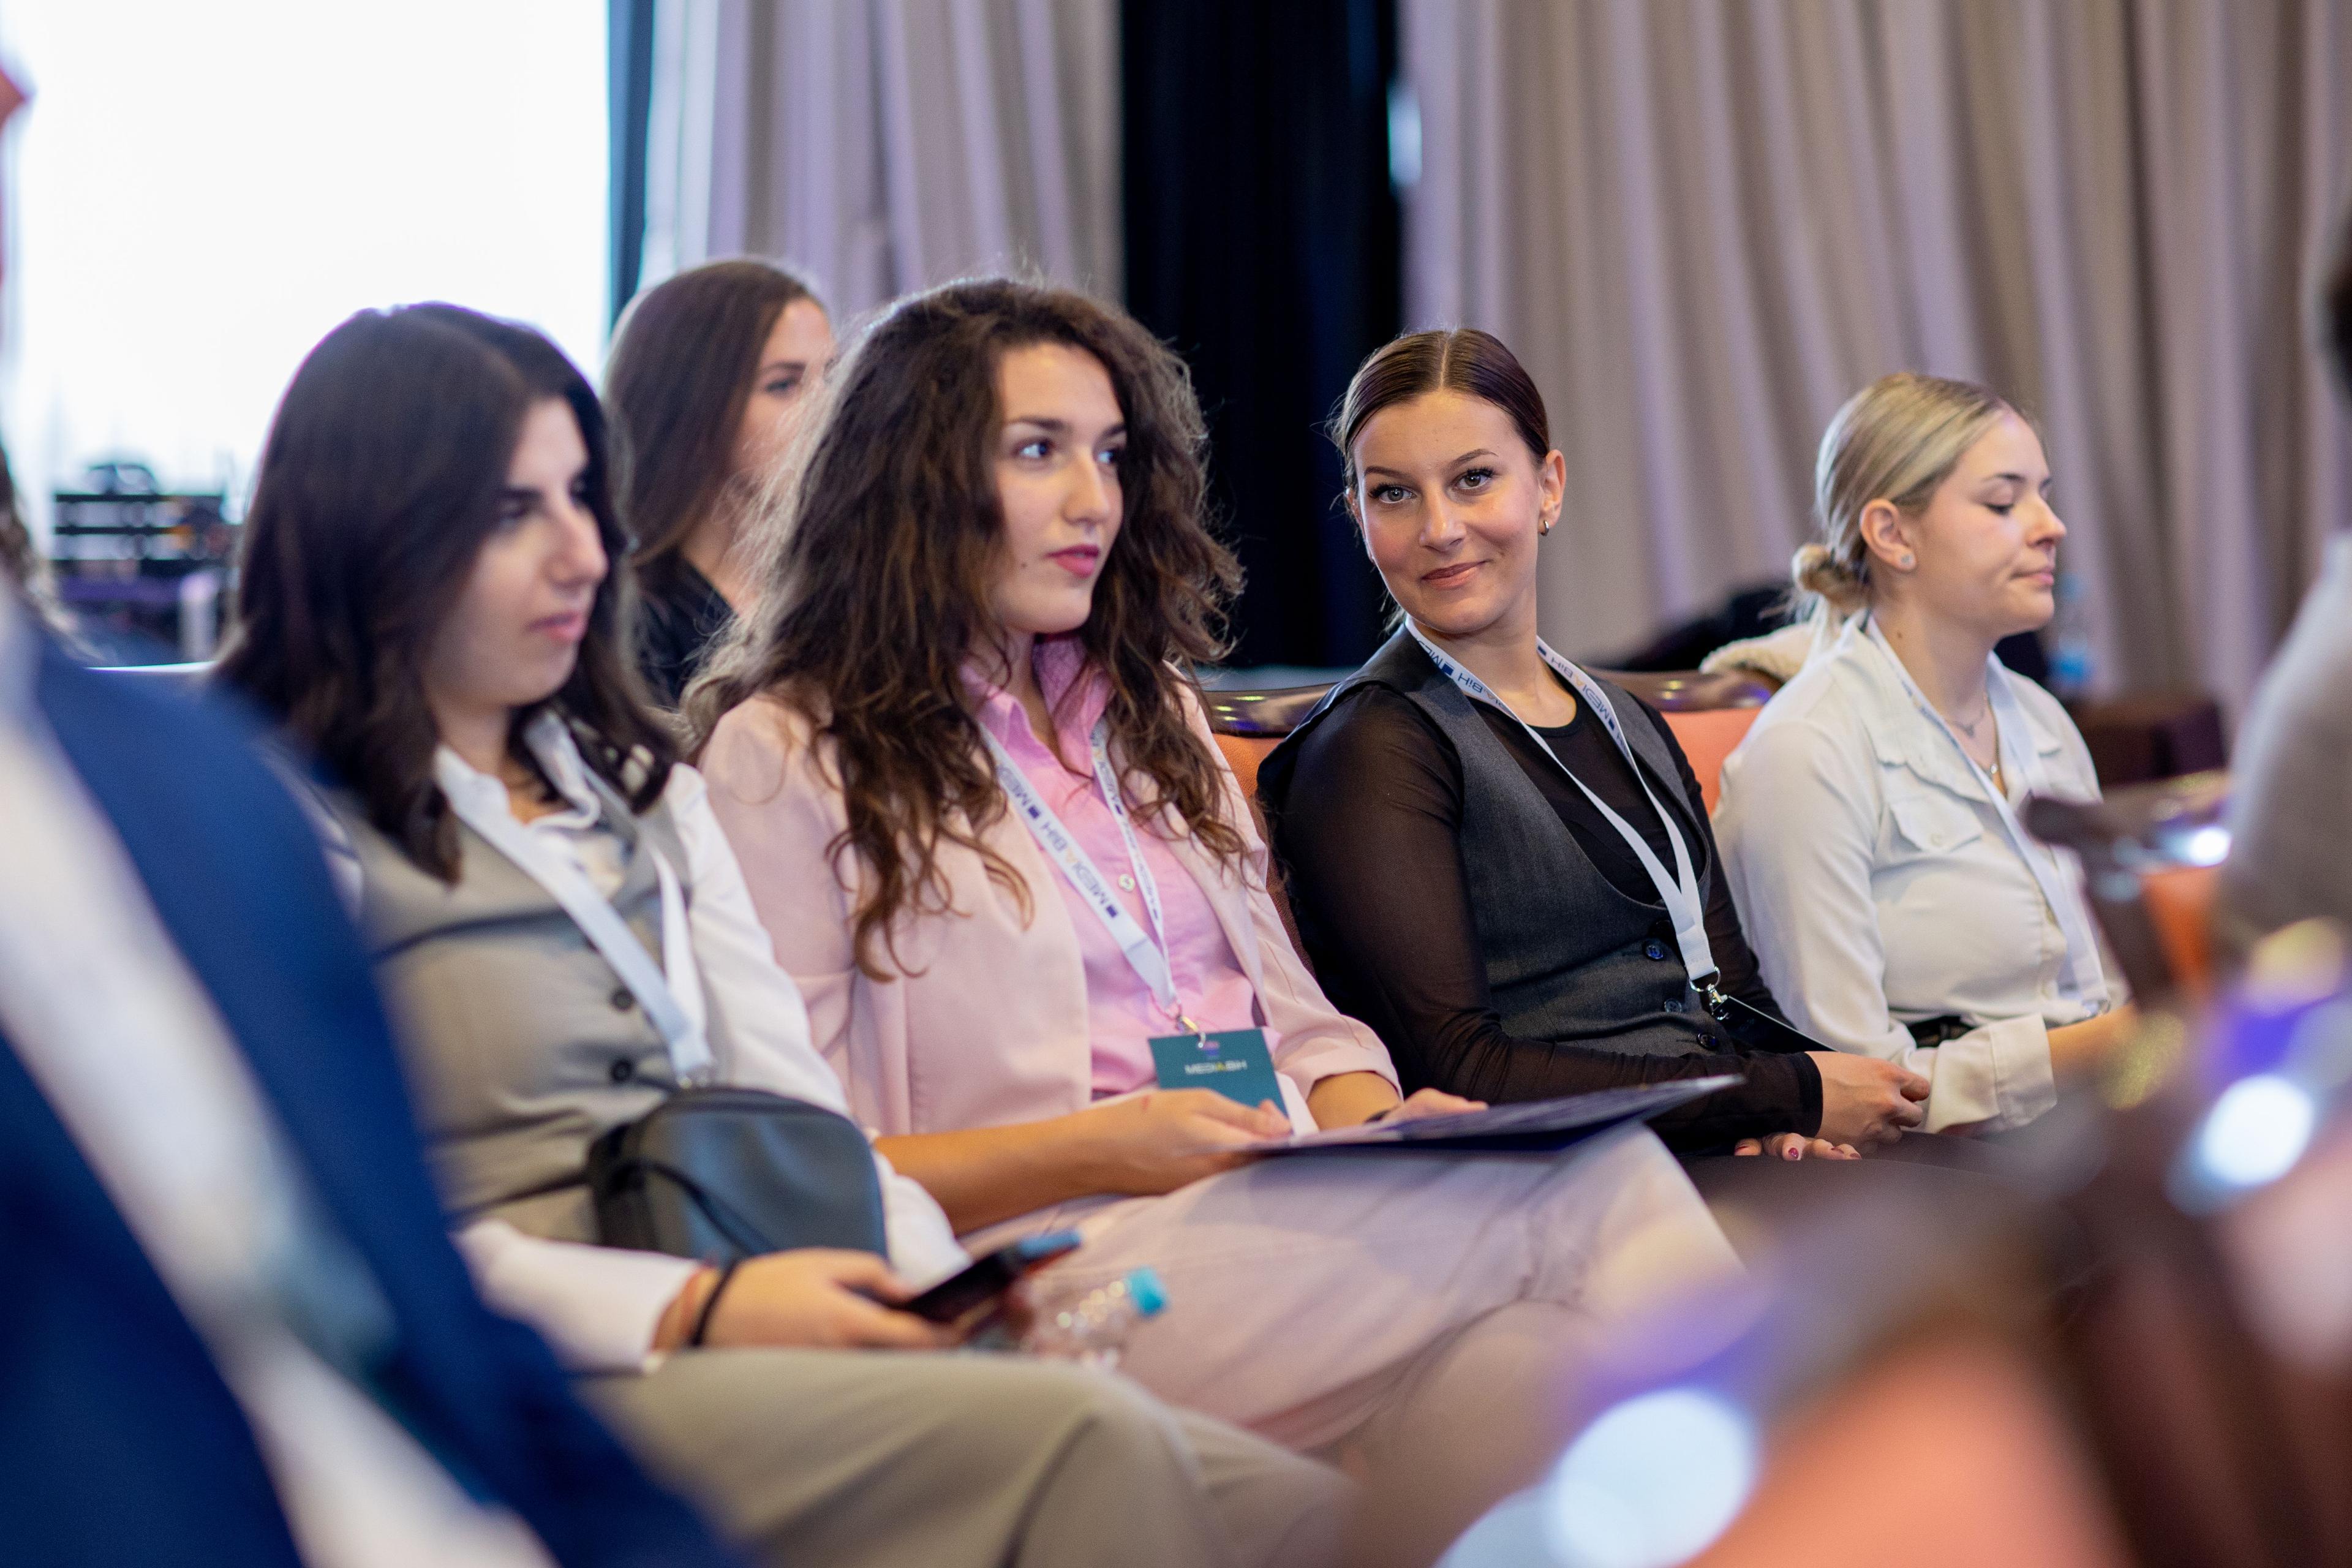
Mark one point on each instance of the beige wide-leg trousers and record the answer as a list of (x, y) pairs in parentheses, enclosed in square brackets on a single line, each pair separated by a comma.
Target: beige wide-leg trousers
[(852, 1458)]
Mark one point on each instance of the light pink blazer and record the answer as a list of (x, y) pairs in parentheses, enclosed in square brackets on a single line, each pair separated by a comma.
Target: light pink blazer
[(987, 1024)]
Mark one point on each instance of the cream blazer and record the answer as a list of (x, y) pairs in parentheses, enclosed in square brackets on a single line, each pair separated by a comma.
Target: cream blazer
[(1882, 882), (986, 1022)]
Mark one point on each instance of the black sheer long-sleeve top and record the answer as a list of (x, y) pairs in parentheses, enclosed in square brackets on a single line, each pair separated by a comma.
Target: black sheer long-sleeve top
[(680, 618), (1366, 811)]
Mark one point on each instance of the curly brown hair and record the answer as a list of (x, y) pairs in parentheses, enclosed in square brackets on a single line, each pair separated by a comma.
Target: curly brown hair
[(878, 597)]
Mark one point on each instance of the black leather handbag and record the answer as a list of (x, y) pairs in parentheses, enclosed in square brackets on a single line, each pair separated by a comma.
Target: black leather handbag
[(722, 1173)]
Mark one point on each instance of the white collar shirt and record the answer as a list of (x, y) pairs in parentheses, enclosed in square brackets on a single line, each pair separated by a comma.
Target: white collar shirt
[(1882, 881), (134, 1057)]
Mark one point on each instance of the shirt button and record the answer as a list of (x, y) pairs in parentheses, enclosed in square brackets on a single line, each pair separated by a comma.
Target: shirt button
[(1127, 884), (622, 1000), (1674, 1004), (621, 1071), (1653, 949)]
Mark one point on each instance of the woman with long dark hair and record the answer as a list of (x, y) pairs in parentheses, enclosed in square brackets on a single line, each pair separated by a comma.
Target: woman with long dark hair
[(1500, 860), (709, 375), (428, 608), (963, 757)]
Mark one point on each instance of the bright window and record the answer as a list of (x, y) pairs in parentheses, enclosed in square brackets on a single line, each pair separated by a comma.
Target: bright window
[(198, 192)]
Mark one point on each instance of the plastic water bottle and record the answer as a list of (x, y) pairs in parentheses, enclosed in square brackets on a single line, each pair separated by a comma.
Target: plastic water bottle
[(1092, 1329)]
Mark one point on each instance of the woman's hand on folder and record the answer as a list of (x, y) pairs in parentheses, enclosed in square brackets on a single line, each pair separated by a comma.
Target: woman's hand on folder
[(1159, 1142), (1431, 1102)]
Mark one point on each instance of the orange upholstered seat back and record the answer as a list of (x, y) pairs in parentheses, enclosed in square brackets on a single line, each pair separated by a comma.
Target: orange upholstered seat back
[(1243, 755), (1707, 736), (2179, 901)]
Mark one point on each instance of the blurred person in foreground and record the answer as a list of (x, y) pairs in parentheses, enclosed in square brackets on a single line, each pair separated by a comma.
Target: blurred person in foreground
[(2290, 855), (236, 1331)]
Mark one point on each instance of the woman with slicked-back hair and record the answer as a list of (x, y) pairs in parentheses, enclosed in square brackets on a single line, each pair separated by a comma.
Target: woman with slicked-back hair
[(1870, 819), (965, 762), (709, 377), (1500, 860)]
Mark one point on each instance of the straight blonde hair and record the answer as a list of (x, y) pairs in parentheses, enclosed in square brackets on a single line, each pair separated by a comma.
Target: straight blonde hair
[(1896, 440)]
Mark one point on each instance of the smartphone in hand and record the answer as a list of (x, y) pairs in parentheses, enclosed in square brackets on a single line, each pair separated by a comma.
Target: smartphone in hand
[(959, 1295)]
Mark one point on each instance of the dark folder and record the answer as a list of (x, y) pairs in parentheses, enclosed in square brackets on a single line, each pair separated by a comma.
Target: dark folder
[(1537, 1127)]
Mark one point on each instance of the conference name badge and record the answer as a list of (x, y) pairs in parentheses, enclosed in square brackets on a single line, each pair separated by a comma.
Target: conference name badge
[(1233, 1062)]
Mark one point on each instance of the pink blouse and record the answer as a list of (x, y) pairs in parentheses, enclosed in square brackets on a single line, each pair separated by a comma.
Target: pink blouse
[(1122, 1013)]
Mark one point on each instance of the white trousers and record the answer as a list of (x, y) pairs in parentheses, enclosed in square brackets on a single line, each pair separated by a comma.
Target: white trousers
[(1336, 1299)]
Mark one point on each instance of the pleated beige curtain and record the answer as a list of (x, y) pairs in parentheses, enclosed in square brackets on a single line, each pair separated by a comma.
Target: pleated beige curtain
[(1702, 224), (885, 145)]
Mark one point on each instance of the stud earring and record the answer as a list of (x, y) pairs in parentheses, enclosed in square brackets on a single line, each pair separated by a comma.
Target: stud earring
[(1906, 561)]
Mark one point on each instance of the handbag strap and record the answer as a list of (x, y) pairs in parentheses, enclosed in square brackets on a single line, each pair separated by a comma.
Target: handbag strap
[(672, 1000)]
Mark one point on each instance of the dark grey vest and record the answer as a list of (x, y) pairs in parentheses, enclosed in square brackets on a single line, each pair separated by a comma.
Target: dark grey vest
[(522, 1045), (1554, 930)]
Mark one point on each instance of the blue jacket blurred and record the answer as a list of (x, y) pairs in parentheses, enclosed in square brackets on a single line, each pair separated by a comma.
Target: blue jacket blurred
[(120, 1443)]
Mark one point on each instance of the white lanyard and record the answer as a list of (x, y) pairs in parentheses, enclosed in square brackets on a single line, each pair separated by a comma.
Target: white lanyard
[(1686, 906), (1146, 951), (2040, 860), (673, 1002)]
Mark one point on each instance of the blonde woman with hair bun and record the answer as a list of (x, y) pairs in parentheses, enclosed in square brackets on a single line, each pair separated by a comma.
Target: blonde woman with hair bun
[(1869, 823)]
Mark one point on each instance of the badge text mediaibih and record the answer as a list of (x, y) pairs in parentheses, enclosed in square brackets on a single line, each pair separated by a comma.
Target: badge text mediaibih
[(1194, 1070)]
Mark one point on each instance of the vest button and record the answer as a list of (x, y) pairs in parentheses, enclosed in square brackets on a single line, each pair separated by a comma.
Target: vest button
[(1653, 948), (622, 1000), (1674, 1004), (621, 1071)]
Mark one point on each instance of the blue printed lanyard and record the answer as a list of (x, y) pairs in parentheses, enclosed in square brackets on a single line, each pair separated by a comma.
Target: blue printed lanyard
[(1145, 951)]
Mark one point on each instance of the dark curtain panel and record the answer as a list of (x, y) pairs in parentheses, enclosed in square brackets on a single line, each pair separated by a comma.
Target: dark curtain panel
[(1262, 241), (629, 73)]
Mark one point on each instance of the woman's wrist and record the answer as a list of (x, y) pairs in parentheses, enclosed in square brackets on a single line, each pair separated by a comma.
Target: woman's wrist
[(1089, 1154), (700, 1333), (1351, 1098), (685, 1310)]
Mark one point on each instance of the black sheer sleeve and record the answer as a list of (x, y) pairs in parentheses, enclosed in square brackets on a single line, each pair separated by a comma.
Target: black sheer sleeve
[(1742, 975), (1367, 838)]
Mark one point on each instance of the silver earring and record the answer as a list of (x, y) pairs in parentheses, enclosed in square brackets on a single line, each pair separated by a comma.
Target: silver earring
[(1906, 561)]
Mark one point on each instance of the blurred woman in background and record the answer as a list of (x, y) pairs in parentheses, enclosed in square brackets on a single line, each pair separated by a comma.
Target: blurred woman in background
[(710, 373), (1869, 822)]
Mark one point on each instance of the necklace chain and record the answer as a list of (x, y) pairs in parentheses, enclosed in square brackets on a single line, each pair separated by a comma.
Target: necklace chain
[(1970, 728), (1973, 725)]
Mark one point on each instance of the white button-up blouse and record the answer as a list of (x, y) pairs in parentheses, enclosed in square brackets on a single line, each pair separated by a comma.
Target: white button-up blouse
[(1883, 882)]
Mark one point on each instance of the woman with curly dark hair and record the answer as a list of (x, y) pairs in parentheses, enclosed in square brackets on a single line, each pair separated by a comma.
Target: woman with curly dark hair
[(963, 760)]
